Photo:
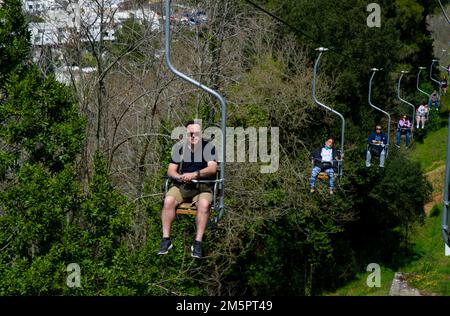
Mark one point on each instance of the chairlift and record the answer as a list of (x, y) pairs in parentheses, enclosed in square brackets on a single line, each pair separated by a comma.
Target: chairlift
[(217, 206), (338, 163), (375, 70), (404, 101)]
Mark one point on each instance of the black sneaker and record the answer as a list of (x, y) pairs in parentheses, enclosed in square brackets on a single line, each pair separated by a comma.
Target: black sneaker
[(196, 249), (164, 246)]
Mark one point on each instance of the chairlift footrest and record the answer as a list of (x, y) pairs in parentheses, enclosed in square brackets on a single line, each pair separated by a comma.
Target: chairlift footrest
[(187, 208)]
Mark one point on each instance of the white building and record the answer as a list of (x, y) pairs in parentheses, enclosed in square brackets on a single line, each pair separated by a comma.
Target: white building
[(43, 34), (66, 74), (65, 17)]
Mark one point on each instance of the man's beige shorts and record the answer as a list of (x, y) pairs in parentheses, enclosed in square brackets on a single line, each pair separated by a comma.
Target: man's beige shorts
[(176, 193)]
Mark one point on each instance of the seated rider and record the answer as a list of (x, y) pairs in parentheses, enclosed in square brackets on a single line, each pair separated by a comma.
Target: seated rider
[(421, 112), (444, 85), (434, 99), (197, 161), (324, 161), (403, 127), (377, 142)]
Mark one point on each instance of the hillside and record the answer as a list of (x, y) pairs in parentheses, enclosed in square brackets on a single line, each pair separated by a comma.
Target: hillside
[(423, 262)]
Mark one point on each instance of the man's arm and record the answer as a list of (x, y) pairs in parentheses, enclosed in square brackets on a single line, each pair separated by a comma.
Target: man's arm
[(209, 171), (172, 171)]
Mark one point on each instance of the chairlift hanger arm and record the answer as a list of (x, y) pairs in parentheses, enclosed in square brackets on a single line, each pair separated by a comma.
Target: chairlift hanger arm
[(404, 101), (417, 82), (431, 73), (321, 51), (374, 70)]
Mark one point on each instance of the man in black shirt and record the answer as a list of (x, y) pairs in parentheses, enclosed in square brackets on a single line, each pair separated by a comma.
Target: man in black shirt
[(198, 162)]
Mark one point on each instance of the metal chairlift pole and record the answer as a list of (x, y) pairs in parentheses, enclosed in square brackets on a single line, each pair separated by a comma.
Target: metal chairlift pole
[(418, 78), (321, 50), (445, 208), (404, 101), (207, 89), (374, 70)]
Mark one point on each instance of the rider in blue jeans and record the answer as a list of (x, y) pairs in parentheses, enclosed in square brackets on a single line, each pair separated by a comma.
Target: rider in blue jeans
[(323, 159), (403, 127), (434, 98), (377, 142)]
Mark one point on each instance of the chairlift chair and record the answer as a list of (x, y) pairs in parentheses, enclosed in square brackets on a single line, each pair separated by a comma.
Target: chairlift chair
[(335, 164), (187, 208)]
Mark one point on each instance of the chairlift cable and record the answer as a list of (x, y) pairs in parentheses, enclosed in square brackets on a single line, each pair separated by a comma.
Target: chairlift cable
[(296, 30)]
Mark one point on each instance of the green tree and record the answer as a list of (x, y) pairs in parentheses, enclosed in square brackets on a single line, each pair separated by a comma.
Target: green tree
[(14, 38), (40, 121)]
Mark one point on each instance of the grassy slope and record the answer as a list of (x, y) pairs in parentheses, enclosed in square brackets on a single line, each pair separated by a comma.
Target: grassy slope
[(431, 154), (429, 271)]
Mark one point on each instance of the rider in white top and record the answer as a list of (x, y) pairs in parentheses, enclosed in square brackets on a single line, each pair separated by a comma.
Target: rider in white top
[(422, 112)]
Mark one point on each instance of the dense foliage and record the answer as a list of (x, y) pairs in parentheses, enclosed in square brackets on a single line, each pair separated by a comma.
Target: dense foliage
[(276, 238)]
